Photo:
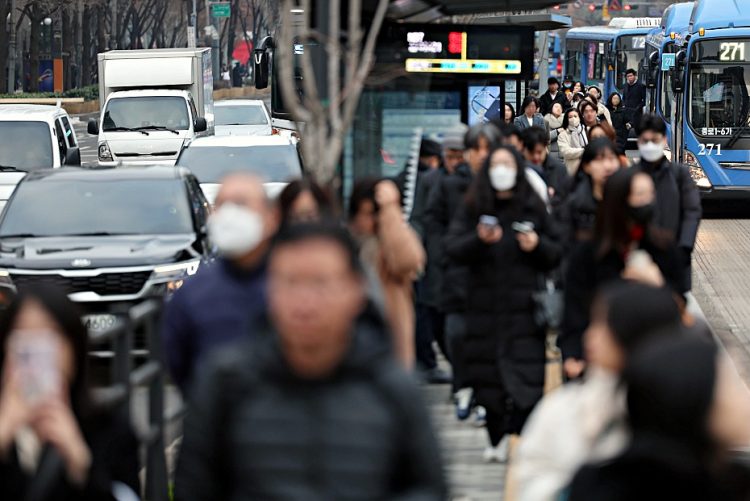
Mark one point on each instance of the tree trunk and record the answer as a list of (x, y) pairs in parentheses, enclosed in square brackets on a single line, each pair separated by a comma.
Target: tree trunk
[(86, 63), (68, 27), (4, 44), (34, 40)]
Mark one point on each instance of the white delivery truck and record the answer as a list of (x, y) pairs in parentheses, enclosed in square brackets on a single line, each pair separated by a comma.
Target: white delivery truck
[(153, 103)]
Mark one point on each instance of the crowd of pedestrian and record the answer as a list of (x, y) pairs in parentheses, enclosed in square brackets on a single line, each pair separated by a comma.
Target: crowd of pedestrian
[(298, 351)]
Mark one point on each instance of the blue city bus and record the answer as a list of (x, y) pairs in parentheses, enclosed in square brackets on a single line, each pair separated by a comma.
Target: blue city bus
[(667, 39), (600, 55), (711, 81)]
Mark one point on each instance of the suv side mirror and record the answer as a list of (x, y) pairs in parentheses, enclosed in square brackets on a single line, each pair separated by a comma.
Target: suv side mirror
[(73, 156), (200, 124), (93, 127)]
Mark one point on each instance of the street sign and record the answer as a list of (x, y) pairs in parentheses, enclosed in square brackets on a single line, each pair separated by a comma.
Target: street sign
[(191, 36), (614, 5), (668, 61), (221, 9)]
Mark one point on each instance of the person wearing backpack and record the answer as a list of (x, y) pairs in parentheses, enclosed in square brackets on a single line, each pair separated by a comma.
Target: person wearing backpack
[(677, 211)]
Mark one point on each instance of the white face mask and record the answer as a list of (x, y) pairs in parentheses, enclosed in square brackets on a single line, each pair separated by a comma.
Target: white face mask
[(651, 152), (574, 122), (502, 177), (235, 230)]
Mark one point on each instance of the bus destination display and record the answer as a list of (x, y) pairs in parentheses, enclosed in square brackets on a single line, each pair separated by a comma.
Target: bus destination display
[(467, 50), (722, 51)]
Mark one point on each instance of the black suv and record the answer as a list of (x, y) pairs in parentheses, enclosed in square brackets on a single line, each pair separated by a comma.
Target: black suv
[(110, 237)]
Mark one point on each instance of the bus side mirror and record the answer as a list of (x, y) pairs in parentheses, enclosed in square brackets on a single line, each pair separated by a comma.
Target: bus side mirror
[(652, 66), (260, 69), (678, 72)]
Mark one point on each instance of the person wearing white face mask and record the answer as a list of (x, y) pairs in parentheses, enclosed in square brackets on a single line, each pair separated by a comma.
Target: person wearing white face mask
[(678, 205), (572, 140), (505, 236), (219, 304)]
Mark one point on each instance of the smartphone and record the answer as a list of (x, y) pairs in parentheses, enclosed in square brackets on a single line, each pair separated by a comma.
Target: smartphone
[(523, 227), (489, 221), (35, 357)]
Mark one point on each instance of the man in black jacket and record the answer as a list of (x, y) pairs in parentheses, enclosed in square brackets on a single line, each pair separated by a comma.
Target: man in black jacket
[(678, 206), (316, 408), (633, 99), (552, 96), (535, 143)]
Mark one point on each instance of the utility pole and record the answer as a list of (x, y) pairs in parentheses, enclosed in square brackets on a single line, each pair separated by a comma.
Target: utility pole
[(79, 46), (12, 49), (191, 32)]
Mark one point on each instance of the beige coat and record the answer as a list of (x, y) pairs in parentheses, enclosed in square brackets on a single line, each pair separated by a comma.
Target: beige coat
[(398, 257), (571, 145)]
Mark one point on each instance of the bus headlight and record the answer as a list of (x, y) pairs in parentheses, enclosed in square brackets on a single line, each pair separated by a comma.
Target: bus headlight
[(105, 155), (696, 171), (174, 275)]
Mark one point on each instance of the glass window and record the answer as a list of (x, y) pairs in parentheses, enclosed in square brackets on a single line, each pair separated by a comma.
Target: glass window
[(240, 115), (630, 52), (62, 142), (719, 95), (272, 163), (146, 112), (36, 135), (71, 138), (76, 206)]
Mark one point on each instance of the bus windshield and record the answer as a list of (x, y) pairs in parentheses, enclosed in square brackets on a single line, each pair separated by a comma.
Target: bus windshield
[(630, 50), (719, 97), (719, 86)]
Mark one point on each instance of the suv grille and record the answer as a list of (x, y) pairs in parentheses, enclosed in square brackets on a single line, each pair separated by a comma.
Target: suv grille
[(106, 284)]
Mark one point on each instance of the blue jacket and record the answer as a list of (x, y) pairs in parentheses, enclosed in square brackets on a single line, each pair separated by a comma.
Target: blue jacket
[(217, 306)]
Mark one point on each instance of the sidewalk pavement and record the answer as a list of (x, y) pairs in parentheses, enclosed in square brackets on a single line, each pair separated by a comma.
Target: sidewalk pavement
[(470, 479)]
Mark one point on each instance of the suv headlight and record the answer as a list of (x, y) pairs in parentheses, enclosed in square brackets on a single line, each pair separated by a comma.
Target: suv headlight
[(104, 152), (174, 275), (696, 171)]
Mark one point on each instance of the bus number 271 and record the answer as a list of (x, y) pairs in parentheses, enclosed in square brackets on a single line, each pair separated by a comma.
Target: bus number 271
[(709, 149)]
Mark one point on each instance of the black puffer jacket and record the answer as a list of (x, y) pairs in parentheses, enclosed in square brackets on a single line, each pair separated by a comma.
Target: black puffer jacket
[(257, 431), (445, 199), (619, 119), (504, 348), (577, 217)]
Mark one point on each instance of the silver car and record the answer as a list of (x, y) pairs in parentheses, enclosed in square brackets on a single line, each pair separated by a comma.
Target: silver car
[(242, 117)]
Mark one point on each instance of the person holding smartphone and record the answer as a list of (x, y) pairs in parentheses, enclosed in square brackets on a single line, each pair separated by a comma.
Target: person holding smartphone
[(506, 237), (53, 443)]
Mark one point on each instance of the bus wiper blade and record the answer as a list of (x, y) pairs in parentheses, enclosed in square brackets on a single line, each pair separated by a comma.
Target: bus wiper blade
[(125, 129), (156, 127), (738, 134)]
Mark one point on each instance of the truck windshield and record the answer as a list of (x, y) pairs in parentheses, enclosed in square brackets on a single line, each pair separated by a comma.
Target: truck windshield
[(271, 163), (37, 138), (240, 115), (86, 206), (124, 113), (719, 98)]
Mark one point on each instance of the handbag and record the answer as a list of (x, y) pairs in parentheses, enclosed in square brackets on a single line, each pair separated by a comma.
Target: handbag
[(548, 305)]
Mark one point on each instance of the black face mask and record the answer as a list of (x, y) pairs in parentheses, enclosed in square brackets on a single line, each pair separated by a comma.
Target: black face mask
[(642, 215)]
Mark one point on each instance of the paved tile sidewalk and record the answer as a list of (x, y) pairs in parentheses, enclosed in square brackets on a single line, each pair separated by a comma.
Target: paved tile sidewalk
[(470, 478)]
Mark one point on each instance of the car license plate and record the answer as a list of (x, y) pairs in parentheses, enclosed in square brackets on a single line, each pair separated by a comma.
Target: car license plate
[(99, 322)]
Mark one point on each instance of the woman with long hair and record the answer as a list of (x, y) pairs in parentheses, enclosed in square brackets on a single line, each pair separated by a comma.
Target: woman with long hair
[(304, 201), (617, 112), (54, 443), (531, 116), (604, 130), (577, 217), (509, 114), (625, 246), (505, 236), (688, 410), (572, 140)]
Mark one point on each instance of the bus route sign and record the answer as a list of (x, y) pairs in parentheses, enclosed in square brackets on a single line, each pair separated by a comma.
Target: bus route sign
[(668, 61)]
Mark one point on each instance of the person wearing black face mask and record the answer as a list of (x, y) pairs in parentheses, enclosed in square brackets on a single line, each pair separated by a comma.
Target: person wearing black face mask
[(626, 246)]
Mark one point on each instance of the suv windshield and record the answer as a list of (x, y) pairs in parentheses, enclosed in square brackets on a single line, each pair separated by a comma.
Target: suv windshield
[(38, 140), (240, 115), (59, 207), (135, 112), (271, 163)]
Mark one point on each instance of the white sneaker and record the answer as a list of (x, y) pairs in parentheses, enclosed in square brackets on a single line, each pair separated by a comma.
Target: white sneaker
[(499, 453), (480, 416), (463, 403)]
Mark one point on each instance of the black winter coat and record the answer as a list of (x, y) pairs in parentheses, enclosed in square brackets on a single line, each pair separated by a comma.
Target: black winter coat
[(633, 100), (430, 289), (556, 176), (678, 209), (504, 348), (586, 273), (445, 199), (656, 472), (619, 120), (577, 216), (114, 458), (255, 430), (547, 102)]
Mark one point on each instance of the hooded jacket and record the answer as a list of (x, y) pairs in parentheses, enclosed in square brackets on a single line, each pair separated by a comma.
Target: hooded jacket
[(256, 430)]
